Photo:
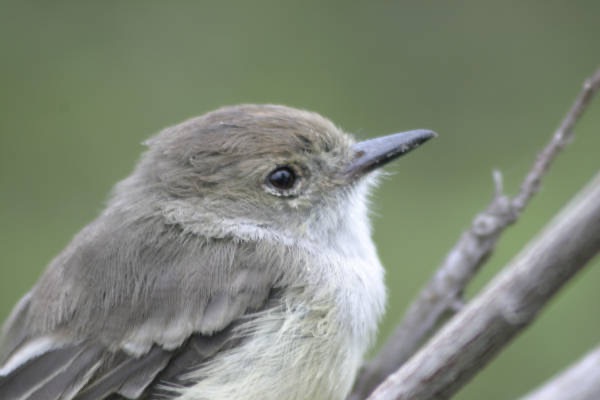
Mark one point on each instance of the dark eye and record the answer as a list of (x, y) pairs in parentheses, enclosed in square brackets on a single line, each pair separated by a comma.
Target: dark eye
[(282, 178)]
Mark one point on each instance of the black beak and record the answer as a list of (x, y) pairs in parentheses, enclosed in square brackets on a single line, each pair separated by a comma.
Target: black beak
[(374, 153)]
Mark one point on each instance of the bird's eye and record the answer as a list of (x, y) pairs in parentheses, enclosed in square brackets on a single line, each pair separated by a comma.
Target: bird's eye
[(282, 178)]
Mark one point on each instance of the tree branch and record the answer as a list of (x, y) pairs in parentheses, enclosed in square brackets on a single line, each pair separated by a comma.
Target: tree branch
[(504, 308), (581, 381), (442, 295)]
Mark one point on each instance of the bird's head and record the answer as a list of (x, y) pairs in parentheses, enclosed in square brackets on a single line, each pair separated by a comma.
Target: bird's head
[(260, 171)]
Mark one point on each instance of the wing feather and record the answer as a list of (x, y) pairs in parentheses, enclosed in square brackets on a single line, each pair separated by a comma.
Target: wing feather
[(129, 378), (51, 375)]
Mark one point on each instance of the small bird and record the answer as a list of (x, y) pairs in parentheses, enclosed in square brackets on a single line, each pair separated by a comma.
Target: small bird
[(235, 262)]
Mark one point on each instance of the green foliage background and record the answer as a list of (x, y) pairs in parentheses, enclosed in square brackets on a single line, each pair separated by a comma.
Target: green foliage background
[(83, 83)]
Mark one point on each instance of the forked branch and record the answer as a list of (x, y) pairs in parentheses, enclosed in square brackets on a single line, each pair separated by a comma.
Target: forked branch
[(442, 295), (504, 308)]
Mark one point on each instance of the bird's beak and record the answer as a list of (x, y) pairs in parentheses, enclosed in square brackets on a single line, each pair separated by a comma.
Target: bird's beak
[(374, 153)]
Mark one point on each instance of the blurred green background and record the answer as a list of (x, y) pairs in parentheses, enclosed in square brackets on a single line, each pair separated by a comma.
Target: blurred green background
[(82, 84)]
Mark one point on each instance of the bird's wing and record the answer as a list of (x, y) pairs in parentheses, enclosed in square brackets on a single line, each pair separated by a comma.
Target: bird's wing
[(125, 346), (88, 372)]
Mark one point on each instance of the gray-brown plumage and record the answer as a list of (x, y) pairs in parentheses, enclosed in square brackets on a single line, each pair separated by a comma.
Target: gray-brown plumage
[(234, 262)]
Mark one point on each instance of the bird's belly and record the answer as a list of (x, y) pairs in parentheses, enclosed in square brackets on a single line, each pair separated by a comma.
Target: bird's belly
[(295, 353)]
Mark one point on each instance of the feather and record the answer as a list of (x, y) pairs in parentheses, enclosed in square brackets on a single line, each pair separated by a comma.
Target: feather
[(55, 374), (129, 378)]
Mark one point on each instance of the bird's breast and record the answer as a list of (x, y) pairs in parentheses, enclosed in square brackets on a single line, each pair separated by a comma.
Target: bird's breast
[(309, 345)]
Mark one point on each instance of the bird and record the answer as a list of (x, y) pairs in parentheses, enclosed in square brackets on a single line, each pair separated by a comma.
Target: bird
[(236, 261)]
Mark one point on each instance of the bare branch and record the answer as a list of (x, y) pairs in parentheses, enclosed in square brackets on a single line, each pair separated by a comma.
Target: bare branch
[(504, 308), (562, 136), (581, 381), (442, 295)]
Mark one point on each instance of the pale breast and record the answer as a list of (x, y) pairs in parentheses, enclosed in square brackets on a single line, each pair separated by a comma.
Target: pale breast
[(309, 346)]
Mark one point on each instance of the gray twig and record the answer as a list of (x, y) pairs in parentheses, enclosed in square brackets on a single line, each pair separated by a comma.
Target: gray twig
[(504, 308), (441, 295)]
